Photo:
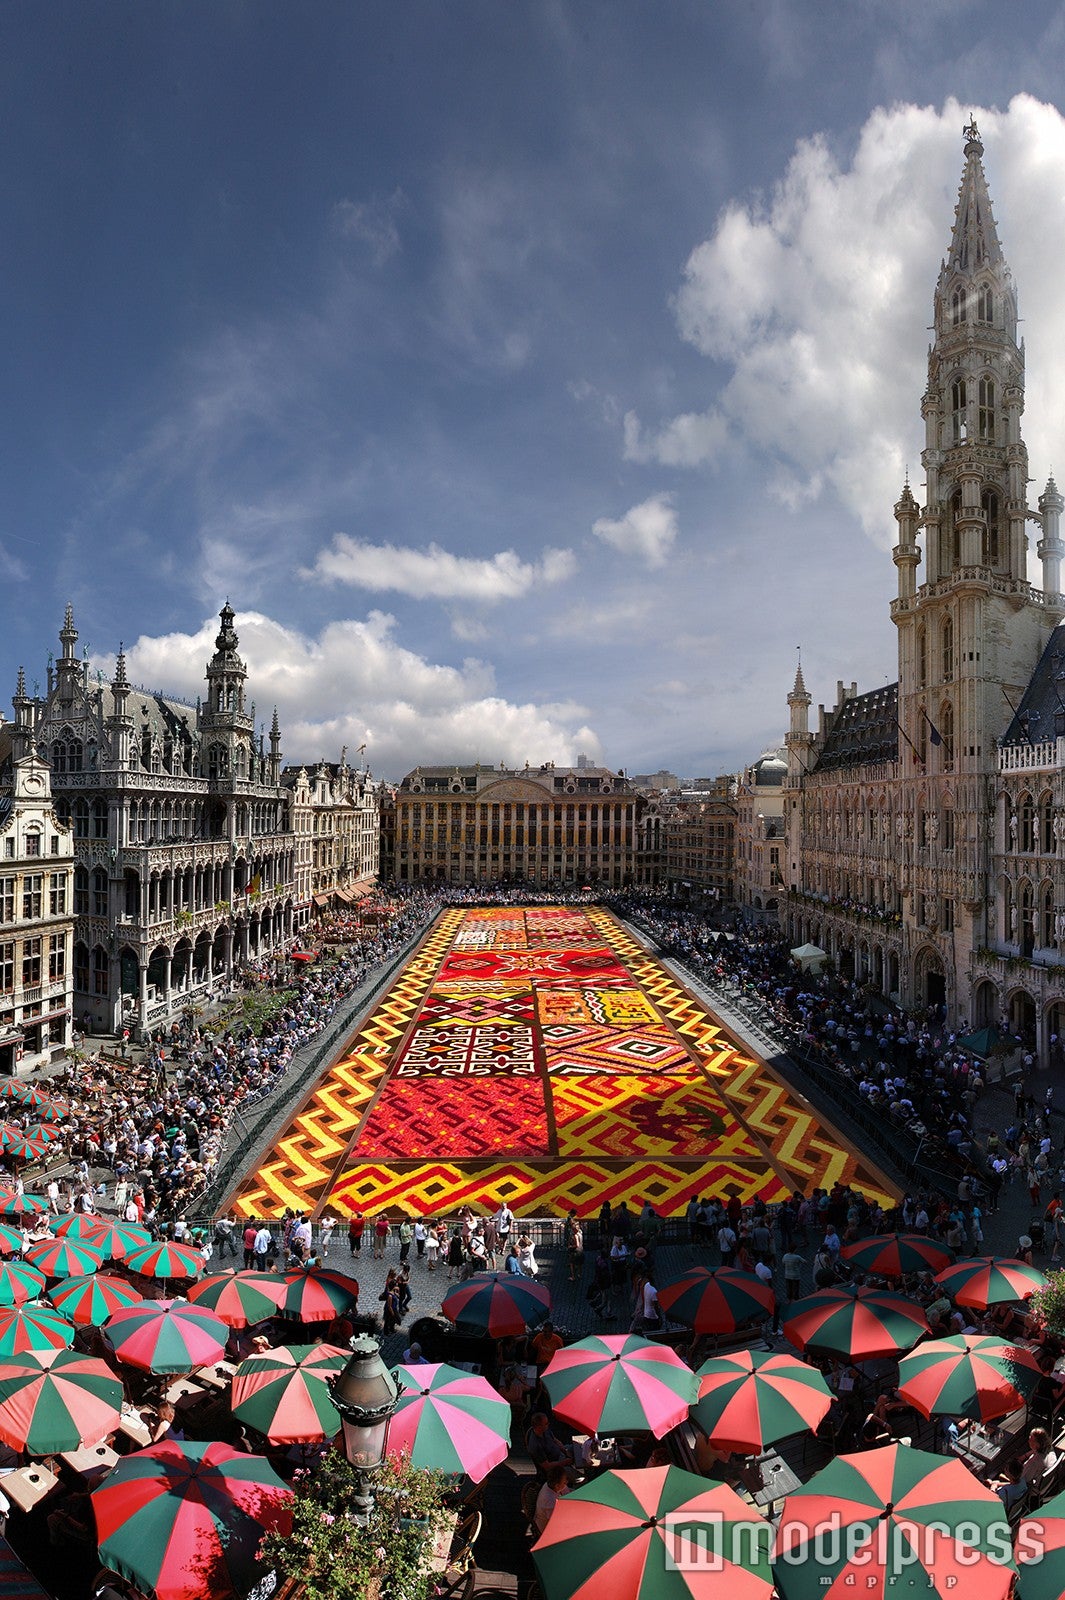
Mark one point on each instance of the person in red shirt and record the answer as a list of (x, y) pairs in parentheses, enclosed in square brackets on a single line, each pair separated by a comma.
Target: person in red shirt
[(249, 1246), (355, 1227), (543, 1345), (380, 1236)]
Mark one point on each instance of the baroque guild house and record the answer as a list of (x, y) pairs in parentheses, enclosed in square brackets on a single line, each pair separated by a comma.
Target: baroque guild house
[(926, 819)]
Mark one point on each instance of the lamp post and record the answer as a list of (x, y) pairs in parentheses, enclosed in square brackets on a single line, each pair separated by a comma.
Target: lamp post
[(365, 1394)]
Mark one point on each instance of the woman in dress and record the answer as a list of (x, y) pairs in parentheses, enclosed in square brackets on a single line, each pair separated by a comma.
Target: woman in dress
[(527, 1256)]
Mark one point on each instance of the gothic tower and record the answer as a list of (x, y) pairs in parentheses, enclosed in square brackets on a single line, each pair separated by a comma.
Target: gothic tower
[(970, 634), (228, 730)]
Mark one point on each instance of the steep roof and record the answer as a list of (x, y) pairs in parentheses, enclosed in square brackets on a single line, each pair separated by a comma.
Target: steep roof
[(1041, 713), (863, 730)]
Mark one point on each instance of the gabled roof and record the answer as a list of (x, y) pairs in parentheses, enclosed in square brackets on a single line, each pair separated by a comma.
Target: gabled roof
[(863, 730), (1041, 713)]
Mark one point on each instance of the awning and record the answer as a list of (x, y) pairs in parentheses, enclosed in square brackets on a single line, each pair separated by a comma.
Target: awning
[(809, 957), (304, 955), (322, 900)]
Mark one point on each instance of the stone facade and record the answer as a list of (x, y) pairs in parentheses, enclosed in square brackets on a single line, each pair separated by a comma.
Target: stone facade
[(901, 857), (541, 825), (183, 849), (758, 884), (336, 819)]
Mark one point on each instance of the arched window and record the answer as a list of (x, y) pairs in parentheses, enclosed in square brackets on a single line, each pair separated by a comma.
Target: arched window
[(958, 307), (955, 528), (1046, 824), (81, 892), (946, 733), (1027, 819), (217, 761), (985, 304), (959, 418), (99, 819), (947, 640), (1027, 919), (1046, 931), (993, 544), (922, 657), (81, 967), (99, 892), (985, 413)]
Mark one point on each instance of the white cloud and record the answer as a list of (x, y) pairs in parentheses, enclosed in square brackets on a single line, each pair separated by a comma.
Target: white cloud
[(436, 574), (817, 298), (371, 222), (647, 531), (356, 684)]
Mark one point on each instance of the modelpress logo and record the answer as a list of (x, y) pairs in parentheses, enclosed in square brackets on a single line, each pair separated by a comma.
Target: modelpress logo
[(894, 1549)]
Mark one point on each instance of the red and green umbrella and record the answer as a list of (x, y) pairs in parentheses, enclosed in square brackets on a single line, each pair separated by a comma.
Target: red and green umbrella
[(1040, 1550), (33, 1327), (893, 1255), (78, 1225), (57, 1400), (284, 1393), (237, 1302), (17, 1205), (166, 1336), (114, 1240), (889, 1521), (984, 1281), (45, 1133), (751, 1399), (968, 1375), (312, 1295), (716, 1301), (183, 1521), (654, 1534), (497, 1303), (65, 1257), (14, 1142), (450, 1421), (620, 1382), (14, 1090), (89, 1301), (859, 1324), (10, 1240), (20, 1282), (48, 1110), (165, 1259)]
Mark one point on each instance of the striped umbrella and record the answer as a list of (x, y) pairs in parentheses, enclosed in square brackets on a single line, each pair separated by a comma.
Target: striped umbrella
[(751, 1399), (654, 1534), (80, 1225), (14, 1090), (984, 1281), (20, 1283), (968, 1376), (15, 1143), (166, 1336), (115, 1240), (48, 1110), (448, 1420), (88, 1302), (716, 1301), (57, 1400), (236, 1301), (65, 1257), (36, 1100), (1040, 1547), (165, 1259), (892, 1255), (284, 1393), (17, 1205), (497, 1303), (33, 1327), (183, 1521), (45, 1133), (860, 1324), (620, 1382), (312, 1295), (10, 1240), (889, 1521)]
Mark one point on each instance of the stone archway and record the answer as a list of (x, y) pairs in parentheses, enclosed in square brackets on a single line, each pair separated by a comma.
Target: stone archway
[(986, 1004), (1022, 1013), (929, 978)]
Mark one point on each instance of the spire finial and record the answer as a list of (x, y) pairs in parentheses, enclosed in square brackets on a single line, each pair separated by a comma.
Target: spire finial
[(20, 685)]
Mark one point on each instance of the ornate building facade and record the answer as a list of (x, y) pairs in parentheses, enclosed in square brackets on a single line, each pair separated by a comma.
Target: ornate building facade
[(541, 825), (184, 858), (336, 819), (903, 858)]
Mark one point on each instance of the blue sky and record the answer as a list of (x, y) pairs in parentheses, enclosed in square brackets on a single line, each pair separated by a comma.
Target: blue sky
[(531, 378)]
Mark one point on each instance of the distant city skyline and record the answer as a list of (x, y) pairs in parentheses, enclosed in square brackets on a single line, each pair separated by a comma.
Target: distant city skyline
[(531, 381)]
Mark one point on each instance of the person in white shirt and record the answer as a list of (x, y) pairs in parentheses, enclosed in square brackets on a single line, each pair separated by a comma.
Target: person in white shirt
[(556, 1482)]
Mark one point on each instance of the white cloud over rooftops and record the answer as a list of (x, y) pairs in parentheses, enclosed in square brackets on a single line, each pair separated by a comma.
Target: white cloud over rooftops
[(437, 574)]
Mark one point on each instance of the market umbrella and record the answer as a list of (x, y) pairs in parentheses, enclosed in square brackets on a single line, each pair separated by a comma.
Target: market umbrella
[(1040, 1548), (448, 1420), (10, 1240), (115, 1240), (184, 1520), (36, 1100), (14, 1090), (620, 1382), (165, 1259), (33, 1327), (751, 1399), (166, 1336), (57, 1400), (16, 1205), (312, 1295), (984, 1281), (892, 1255), (497, 1303), (20, 1282), (652, 1534), (48, 1110), (45, 1133), (15, 1143), (891, 1520), (89, 1301), (716, 1301), (859, 1324), (968, 1375), (284, 1393), (237, 1302), (65, 1257), (80, 1225)]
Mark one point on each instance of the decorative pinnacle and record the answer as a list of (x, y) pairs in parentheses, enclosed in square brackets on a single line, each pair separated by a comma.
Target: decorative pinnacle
[(20, 685), (121, 681)]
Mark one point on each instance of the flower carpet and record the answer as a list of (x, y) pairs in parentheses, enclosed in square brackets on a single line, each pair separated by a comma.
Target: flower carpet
[(540, 1055)]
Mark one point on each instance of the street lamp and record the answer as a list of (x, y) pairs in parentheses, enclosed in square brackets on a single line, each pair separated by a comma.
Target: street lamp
[(365, 1394)]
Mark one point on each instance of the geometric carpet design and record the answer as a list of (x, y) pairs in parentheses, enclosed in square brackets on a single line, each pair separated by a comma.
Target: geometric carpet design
[(542, 1056)]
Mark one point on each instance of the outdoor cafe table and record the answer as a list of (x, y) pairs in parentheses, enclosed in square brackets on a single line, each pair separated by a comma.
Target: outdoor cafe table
[(219, 1376), (983, 1450), (181, 1389), (134, 1427), (29, 1485), (90, 1460), (778, 1480)]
